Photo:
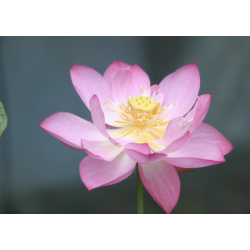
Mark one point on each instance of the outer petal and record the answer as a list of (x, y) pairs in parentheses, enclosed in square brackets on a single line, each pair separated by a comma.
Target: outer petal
[(89, 82), (183, 170), (162, 182), (96, 173), (112, 70), (198, 113), (196, 155), (207, 134), (140, 152), (70, 129), (176, 129), (127, 82), (181, 88), (102, 150)]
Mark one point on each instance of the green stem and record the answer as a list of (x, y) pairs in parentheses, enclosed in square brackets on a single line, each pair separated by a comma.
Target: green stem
[(139, 192)]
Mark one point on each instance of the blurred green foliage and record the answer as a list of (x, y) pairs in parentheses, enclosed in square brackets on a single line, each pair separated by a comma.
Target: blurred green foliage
[(3, 119)]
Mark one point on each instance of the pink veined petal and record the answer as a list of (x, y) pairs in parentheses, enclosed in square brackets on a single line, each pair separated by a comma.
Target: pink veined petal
[(177, 144), (196, 155), (198, 113), (127, 82), (70, 145), (162, 182), (89, 82), (121, 85), (140, 152), (97, 173), (183, 170), (99, 121), (110, 116), (112, 70), (139, 147), (207, 134), (175, 129), (97, 115), (181, 88), (70, 129), (102, 150)]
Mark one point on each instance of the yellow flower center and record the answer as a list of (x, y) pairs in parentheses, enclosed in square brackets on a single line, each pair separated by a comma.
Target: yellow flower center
[(142, 104), (141, 118), (140, 111)]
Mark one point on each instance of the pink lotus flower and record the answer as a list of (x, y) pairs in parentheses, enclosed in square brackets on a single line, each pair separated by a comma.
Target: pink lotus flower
[(135, 122)]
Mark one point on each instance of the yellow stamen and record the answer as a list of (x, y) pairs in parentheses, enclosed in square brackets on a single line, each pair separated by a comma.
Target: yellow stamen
[(145, 117)]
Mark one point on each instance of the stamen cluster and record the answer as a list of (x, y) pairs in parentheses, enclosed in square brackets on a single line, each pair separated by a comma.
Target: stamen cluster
[(142, 116)]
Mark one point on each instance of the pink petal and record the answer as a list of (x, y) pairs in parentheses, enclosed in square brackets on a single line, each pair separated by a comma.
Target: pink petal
[(162, 182), (196, 155), (70, 145), (97, 115), (141, 153), (183, 170), (175, 129), (181, 88), (198, 113), (156, 93), (139, 147), (177, 144), (121, 86), (207, 134), (112, 70), (97, 173), (127, 82), (99, 121), (102, 150), (139, 77), (89, 82), (71, 129)]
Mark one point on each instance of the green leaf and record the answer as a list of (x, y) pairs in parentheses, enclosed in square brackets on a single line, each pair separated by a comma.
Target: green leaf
[(3, 119)]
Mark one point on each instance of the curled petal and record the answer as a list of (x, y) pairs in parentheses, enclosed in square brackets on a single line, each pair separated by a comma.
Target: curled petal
[(97, 173), (97, 115), (140, 152), (99, 120), (156, 93), (70, 129), (162, 182), (181, 88), (89, 82), (198, 113)]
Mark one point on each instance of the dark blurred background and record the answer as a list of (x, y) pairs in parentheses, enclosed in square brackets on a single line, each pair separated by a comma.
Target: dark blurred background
[(39, 175)]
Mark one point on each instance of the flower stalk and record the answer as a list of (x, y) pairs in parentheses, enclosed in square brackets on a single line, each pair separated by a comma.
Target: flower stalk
[(139, 193)]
